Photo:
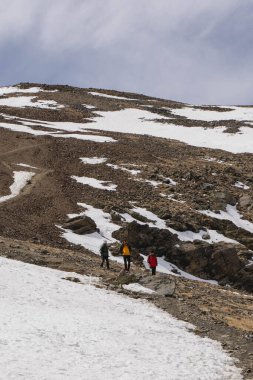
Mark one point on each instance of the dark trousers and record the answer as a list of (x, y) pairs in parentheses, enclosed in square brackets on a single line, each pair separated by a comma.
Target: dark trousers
[(153, 271), (107, 262), (127, 262)]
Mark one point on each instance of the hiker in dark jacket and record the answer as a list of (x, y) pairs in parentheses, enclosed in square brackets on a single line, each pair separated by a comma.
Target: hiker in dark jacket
[(152, 260), (104, 251), (126, 251)]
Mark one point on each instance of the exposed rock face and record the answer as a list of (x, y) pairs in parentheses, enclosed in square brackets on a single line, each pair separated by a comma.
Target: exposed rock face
[(216, 261), (144, 238), (81, 225), (222, 262)]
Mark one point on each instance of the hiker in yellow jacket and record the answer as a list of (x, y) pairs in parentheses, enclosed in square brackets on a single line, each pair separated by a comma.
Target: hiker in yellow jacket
[(125, 250)]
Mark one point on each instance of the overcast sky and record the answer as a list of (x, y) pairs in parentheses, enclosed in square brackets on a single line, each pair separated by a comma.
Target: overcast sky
[(197, 51)]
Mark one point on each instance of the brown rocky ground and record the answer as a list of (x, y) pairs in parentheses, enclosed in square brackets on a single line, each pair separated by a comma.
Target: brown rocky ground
[(53, 194)]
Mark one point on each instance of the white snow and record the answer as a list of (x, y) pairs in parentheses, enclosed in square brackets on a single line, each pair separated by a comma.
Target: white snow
[(20, 180), (26, 101), (36, 132), (84, 137), (231, 214), (103, 185), (89, 106), (93, 160), (110, 96), (56, 329), (215, 236), (232, 113), (118, 167), (152, 182), (13, 90), (171, 197), (137, 288), (213, 159), (27, 166), (241, 185), (94, 241), (142, 122)]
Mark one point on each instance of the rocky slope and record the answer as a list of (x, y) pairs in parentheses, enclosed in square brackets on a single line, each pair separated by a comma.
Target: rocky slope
[(202, 197), (81, 165)]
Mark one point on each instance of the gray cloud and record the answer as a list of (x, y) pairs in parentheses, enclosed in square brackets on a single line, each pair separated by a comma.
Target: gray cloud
[(188, 50)]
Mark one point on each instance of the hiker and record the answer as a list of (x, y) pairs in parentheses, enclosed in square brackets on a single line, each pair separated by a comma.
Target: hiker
[(104, 251), (152, 260), (125, 250)]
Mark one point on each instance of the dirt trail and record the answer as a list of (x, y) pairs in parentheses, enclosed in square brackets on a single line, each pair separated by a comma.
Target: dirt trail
[(38, 177)]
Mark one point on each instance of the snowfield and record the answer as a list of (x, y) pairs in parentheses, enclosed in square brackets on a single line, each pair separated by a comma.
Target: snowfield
[(232, 113), (142, 122), (14, 89), (28, 101), (56, 329)]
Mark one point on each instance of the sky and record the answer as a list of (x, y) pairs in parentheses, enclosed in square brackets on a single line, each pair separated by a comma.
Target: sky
[(195, 51)]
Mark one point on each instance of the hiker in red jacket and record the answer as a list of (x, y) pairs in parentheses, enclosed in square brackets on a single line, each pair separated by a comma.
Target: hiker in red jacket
[(152, 260)]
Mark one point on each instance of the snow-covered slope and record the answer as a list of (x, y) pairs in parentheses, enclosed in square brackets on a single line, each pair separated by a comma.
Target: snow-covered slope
[(55, 329), (142, 122)]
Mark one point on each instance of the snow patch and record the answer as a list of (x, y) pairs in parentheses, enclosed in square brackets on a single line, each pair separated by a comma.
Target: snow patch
[(89, 106), (36, 132), (13, 90), (94, 241), (241, 185), (131, 171), (137, 288), (103, 185), (110, 96), (232, 215), (27, 166), (20, 181), (27, 101), (232, 113), (93, 160)]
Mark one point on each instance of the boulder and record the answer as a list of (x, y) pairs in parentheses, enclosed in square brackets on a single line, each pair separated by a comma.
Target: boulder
[(225, 261), (81, 225), (223, 198), (245, 201), (116, 217)]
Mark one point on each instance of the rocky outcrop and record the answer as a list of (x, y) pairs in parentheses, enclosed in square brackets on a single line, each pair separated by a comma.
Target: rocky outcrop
[(81, 225), (144, 238), (223, 262)]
